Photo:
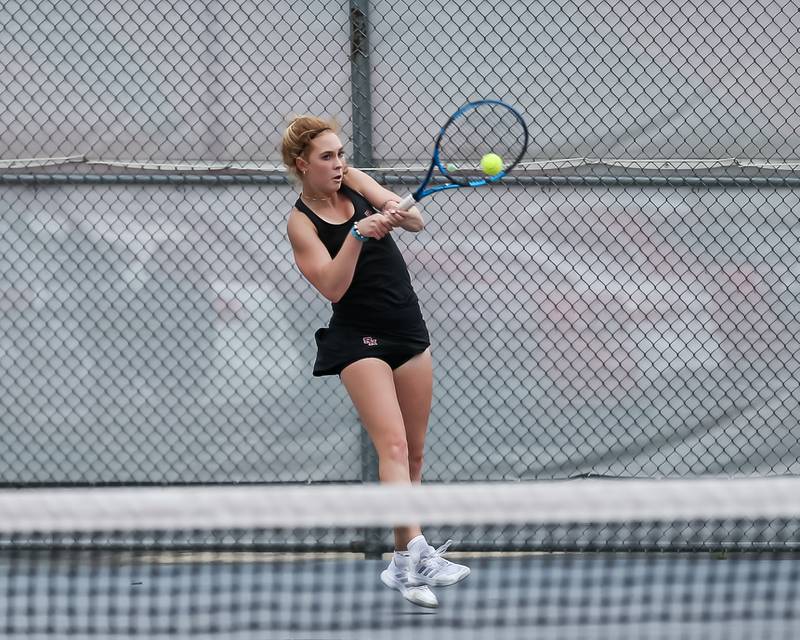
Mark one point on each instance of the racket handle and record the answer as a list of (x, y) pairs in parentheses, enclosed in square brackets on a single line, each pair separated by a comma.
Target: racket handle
[(406, 203)]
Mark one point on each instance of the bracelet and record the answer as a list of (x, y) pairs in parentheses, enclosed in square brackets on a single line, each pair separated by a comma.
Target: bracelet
[(357, 234)]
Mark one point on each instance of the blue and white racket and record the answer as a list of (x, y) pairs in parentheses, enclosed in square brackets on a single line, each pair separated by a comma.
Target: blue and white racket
[(474, 131)]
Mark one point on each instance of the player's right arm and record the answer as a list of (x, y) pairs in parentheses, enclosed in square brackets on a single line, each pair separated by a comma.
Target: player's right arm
[(330, 276)]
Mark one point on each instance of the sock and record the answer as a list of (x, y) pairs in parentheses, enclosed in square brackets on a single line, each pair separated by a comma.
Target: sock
[(418, 546), (401, 559)]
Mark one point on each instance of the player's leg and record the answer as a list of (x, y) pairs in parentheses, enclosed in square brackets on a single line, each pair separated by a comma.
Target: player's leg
[(413, 382), (371, 387)]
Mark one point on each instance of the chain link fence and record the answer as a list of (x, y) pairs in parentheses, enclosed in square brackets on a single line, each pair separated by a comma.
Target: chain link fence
[(627, 305)]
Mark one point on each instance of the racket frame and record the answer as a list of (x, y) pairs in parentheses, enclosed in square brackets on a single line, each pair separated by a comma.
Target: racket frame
[(423, 190)]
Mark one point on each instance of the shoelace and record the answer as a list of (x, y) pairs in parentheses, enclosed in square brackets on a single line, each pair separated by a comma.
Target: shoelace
[(435, 556)]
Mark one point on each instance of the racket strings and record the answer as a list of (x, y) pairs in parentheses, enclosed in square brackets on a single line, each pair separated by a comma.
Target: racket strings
[(477, 132)]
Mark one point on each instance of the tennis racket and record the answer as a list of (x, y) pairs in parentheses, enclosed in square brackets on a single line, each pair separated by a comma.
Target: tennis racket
[(476, 129)]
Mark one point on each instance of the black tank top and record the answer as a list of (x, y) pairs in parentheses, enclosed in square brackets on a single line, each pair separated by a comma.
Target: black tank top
[(380, 295)]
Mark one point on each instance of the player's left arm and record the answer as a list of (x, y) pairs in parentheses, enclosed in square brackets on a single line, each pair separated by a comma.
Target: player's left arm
[(386, 201)]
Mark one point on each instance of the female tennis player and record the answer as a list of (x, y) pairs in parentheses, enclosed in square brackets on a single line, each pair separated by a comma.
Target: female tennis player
[(376, 341)]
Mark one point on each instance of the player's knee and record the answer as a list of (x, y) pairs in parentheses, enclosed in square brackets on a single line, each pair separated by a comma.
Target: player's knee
[(394, 450)]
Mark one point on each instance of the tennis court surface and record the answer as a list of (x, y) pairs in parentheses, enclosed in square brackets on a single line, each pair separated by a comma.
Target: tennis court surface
[(710, 558)]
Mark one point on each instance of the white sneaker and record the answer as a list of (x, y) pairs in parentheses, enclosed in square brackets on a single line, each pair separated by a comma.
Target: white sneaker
[(420, 595), (432, 569)]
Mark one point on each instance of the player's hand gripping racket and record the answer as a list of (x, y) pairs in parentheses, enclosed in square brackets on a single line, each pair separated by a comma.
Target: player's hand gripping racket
[(479, 144)]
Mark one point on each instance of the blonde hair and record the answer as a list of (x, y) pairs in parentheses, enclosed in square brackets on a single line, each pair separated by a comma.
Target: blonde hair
[(298, 136)]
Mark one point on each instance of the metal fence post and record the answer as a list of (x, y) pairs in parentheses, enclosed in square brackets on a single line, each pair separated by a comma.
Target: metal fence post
[(360, 83), (362, 157)]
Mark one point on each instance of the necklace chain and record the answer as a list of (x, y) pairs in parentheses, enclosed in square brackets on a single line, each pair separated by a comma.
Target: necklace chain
[(308, 199)]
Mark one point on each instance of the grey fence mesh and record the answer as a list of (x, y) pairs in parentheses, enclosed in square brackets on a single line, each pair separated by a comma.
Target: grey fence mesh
[(626, 305)]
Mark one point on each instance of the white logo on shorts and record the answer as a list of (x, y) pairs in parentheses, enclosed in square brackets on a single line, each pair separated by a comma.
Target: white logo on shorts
[(370, 342)]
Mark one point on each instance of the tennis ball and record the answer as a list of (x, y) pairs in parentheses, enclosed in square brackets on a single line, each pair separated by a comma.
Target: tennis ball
[(491, 164), (451, 168)]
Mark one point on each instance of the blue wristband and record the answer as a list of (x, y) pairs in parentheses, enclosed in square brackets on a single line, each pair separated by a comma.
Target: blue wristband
[(357, 234)]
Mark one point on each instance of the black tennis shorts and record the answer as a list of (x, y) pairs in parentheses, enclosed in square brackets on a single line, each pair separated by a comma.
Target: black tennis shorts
[(339, 346)]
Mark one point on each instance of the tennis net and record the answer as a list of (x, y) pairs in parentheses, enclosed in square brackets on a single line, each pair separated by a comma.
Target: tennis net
[(588, 558)]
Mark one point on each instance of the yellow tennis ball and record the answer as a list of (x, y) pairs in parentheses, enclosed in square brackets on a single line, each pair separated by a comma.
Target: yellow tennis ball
[(491, 164)]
